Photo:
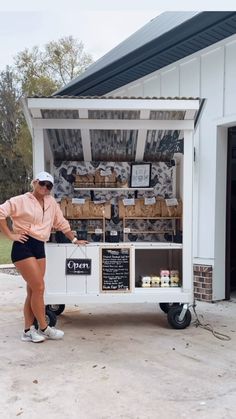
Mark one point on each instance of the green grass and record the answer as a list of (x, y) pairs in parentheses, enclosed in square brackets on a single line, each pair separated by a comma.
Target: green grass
[(5, 249)]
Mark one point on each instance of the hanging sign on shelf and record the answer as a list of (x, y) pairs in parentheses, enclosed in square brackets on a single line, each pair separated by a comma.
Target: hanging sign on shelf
[(78, 266)]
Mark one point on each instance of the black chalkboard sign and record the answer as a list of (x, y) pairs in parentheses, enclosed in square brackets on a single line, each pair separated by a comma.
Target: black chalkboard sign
[(115, 269), (78, 266)]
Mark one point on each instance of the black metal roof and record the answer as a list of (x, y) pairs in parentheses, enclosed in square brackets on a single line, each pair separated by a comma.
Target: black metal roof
[(164, 40)]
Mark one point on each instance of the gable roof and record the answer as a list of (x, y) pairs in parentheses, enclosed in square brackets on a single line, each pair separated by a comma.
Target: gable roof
[(169, 37)]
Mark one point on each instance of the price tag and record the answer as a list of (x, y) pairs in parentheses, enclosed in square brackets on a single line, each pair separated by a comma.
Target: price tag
[(98, 231), (106, 172), (172, 202), (126, 230), (78, 201), (128, 201), (150, 201), (113, 233), (102, 201)]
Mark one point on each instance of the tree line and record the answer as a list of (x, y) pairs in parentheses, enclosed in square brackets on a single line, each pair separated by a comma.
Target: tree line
[(34, 72)]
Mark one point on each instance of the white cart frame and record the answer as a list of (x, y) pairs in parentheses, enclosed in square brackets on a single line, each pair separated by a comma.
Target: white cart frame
[(58, 287)]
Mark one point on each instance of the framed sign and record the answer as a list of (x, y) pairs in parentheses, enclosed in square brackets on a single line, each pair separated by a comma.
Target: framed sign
[(140, 176), (115, 269), (78, 266)]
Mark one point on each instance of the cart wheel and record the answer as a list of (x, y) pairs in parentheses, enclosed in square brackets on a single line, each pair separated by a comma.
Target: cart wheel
[(50, 317), (173, 317), (166, 306), (56, 308)]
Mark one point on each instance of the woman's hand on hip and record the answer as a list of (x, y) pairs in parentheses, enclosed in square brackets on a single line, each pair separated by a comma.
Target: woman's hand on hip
[(19, 237)]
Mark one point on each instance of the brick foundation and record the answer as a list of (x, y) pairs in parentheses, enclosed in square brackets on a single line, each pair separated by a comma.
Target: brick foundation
[(202, 282)]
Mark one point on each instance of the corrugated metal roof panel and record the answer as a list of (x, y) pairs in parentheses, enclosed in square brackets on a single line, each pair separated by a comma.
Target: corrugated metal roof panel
[(114, 97)]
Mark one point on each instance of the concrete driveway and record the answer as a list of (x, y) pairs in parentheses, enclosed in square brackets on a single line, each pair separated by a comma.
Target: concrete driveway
[(117, 361)]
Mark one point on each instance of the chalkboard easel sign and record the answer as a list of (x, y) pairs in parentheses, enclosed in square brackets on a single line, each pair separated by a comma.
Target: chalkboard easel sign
[(115, 269)]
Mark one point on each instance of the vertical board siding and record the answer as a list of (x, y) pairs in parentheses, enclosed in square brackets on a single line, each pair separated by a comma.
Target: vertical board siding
[(190, 78), (170, 82), (230, 79)]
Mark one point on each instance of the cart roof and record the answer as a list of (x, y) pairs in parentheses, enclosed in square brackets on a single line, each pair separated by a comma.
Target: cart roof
[(110, 128)]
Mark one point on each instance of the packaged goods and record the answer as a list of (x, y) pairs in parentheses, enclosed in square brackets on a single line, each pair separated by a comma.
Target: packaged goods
[(145, 281), (105, 178), (155, 281), (165, 278), (174, 278), (86, 209), (170, 210), (84, 181), (139, 208)]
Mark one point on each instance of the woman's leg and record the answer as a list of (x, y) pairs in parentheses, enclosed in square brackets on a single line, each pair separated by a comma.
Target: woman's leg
[(32, 270), (28, 313)]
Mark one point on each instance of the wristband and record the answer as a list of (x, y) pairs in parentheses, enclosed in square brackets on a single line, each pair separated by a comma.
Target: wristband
[(74, 240)]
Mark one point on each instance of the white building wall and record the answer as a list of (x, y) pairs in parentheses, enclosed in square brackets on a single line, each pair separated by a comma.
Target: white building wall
[(152, 86), (211, 87), (230, 78), (170, 82), (210, 74)]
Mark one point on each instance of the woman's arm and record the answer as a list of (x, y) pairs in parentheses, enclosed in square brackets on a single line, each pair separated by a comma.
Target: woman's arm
[(60, 223), (70, 235)]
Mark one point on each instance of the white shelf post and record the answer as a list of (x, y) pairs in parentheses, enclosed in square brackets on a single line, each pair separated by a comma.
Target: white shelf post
[(38, 151), (187, 213)]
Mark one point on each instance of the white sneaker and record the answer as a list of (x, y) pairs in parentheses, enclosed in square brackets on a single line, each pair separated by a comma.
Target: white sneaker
[(52, 333), (32, 336)]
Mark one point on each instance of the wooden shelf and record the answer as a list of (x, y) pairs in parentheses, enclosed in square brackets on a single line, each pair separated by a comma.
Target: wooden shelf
[(148, 231), (175, 221), (112, 189), (85, 218), (152, 218), (92, 229)]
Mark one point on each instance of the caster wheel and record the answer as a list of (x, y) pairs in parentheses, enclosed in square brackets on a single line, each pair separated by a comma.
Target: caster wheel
[(166, 306), (174, 320), (56, 308), (50, 317)]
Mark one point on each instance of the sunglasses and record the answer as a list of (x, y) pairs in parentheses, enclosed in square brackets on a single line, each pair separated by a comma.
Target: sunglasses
[(48, 185)]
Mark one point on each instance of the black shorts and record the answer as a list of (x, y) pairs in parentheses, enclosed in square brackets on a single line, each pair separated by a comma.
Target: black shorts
[(29, 249)]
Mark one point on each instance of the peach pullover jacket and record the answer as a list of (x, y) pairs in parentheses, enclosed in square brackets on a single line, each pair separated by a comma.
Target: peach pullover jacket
[(28, 216)]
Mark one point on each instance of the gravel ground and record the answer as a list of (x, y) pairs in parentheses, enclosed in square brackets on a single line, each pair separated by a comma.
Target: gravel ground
[(9, 271), (117, 361)]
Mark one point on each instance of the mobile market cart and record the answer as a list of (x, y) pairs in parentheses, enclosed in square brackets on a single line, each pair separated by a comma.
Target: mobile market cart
[(123, 170)]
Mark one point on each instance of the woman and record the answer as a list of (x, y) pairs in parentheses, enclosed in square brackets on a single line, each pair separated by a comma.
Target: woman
[(34, 214)]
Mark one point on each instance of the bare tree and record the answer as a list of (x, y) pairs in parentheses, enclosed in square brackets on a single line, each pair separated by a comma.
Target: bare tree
[(66, 59)]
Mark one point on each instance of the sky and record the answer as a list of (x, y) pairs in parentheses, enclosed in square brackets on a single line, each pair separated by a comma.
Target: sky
[(99, 24)]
